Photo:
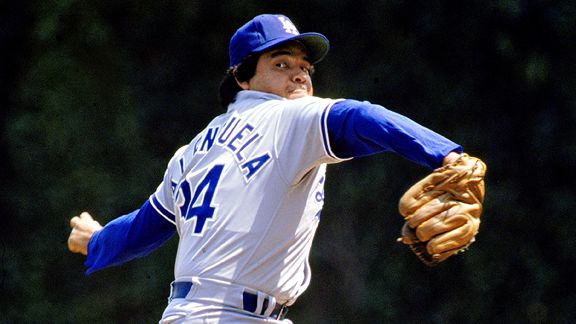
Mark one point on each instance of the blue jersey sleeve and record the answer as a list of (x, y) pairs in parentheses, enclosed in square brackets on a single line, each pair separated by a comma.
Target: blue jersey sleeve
[(359, 129), (127, 237)]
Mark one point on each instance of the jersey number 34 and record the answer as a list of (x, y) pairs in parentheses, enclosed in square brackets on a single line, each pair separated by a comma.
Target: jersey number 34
[(198, 203)]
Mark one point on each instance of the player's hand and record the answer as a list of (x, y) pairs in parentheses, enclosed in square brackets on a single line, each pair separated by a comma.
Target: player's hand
[(442, 211), (452, 157), (83, 227)]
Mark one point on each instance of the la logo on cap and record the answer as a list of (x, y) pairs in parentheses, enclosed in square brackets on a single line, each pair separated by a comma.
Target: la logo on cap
[(288, 25)]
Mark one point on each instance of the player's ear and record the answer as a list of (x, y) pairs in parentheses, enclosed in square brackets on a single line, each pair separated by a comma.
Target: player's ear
[(243, 84)]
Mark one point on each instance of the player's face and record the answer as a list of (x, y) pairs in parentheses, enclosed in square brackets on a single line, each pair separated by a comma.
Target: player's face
[(284, 71)]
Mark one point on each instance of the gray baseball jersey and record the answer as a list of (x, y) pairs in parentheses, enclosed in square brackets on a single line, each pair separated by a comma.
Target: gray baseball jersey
[(247, 192)]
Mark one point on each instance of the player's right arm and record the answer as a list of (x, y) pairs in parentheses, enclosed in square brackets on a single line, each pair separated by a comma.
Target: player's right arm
[(359, 129)]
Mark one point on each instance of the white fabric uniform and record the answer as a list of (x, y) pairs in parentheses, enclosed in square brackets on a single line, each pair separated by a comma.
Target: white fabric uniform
[(247, 192)]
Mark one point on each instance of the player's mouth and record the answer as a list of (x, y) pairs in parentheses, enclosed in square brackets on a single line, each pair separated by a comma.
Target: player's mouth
[(297, 93)]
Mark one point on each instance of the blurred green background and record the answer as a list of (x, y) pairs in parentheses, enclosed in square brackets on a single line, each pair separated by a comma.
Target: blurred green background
[(96, 96)]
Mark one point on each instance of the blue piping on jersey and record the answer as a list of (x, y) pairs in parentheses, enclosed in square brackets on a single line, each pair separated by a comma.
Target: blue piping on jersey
[(163, 211)]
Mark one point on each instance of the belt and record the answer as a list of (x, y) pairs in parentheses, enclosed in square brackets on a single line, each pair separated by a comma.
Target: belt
[(180, 289)]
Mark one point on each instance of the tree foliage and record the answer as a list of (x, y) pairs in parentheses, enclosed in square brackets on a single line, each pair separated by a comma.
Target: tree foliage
[(97, 95)]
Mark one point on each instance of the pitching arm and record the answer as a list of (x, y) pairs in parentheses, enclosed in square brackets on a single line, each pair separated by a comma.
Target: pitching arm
[(125, 238)]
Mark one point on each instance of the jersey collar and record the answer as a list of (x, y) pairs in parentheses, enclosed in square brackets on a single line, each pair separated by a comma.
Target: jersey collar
[(252, 98)]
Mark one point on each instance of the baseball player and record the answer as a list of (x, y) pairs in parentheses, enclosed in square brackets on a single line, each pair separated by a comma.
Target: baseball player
[(245, 195)]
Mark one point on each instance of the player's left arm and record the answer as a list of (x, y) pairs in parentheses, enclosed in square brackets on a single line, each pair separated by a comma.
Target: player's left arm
[(359, 129), (125, 238), (83, 228)]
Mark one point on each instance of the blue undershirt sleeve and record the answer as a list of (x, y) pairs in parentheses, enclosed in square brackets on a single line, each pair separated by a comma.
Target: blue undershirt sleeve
[(128, 237), (359, 129)]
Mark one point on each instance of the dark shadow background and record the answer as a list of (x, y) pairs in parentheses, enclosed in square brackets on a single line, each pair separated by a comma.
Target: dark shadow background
[(96, 96)]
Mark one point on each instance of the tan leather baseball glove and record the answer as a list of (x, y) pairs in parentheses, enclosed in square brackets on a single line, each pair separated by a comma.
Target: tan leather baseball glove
[(442, 211)]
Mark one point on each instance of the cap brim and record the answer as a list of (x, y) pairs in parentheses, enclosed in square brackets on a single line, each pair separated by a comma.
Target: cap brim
[(317, 45)]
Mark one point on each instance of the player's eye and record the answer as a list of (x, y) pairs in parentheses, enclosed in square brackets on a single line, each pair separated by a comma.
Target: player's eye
[(282, 65)]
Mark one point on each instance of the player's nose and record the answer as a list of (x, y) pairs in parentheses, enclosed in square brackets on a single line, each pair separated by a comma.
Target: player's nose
[(299, 75)]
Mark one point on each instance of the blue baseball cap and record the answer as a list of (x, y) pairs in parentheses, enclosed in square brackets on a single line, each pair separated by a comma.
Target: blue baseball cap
[(265, 31)]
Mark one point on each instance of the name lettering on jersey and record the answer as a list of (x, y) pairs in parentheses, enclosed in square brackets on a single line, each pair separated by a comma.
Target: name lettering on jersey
[(228, 129), (320, 191), (236, 136), (250, 168), (237, 145), (320, 195), (206, 141), (209, 139)]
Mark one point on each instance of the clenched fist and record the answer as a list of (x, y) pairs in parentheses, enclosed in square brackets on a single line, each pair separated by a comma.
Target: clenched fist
[(83, 227)]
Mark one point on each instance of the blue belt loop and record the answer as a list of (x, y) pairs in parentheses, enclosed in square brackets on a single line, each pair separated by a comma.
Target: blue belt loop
[(250, 302), (282, 312), (180, 289)]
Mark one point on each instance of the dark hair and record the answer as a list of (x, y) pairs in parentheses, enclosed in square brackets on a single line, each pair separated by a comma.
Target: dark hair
[(242, 72)]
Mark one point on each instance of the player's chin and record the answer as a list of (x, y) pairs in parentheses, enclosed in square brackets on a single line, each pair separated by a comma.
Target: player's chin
[(298, 93)]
